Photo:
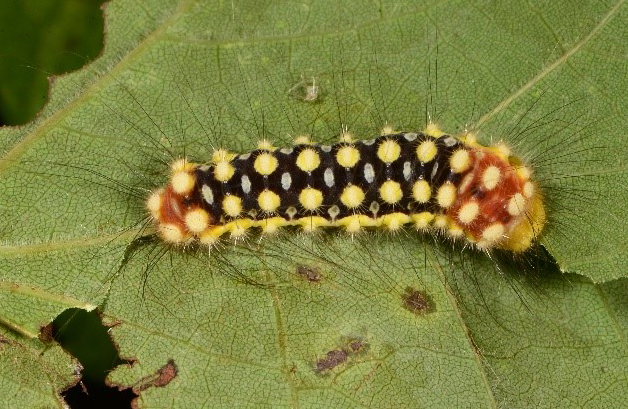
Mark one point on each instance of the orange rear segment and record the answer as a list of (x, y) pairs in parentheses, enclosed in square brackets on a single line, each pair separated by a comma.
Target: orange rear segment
[(497, 205)]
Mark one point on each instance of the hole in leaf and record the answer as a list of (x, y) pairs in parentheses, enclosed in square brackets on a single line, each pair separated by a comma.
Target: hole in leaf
[(83, 335)]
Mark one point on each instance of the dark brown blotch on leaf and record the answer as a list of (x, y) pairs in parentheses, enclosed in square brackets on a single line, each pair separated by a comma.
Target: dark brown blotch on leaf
[(417, 302), (331, 360), (46, 334), (335, 357), (310, 273)]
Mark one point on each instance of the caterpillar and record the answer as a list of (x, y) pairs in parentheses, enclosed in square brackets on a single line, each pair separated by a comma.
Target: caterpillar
[(429, 179)]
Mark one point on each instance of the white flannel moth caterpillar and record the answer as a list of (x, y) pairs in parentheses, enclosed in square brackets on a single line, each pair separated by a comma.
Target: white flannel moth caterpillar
[(429, 179)]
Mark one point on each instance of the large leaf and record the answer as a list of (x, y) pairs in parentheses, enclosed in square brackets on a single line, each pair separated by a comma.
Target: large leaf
[(31, 372), (185, 78)]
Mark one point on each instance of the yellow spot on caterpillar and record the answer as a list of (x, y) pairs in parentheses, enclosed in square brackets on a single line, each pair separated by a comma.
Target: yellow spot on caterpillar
[(441, 222), (265, 164), (468, 212), (422, 220), (433, 130), (388, 130), (212, 235), (312, 223), (516, 204), (232, 205), (492, 234), (446, 195), (455, 231), (524, 172), (182, 182), (503, 149), (528, 189), (302, 140), (346, 136), (520, 236), (272, 224), (171, 233), (153, 204), (460, 161), (239, 227), (394, 221), (421, 191), (223, 171), (426, 151), (470, 139), (265, 145), (356, 222), (268, 200), (390, 192), (196, 220), (308, 160), (389, 151), (182, 165), (311, 198), (347, 156), (491, 177), (221, 155), (352, 196)]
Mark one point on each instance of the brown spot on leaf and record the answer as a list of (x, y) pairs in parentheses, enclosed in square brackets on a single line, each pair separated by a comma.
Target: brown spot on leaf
[(335, 357), (331, 360), (417, 302), (357, 345), (162, 377), (46, 333), (309, 273)]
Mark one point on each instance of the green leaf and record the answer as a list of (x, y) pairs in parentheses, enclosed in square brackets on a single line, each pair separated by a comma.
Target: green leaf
[(185, 78), (31, 372)]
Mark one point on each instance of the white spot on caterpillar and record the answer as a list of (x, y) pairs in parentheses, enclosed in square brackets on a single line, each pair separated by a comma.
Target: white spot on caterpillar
[(208, 195), (369, 142), (407, 170), (286, 181), (329, 177), (434, 171), (246, 184), (491, 177), (286, 151), (326, 148), (516, 204), (333, 211), (291, 212), (369, 173), (450, 141), (410, 136), (244, 156), (374, 208)]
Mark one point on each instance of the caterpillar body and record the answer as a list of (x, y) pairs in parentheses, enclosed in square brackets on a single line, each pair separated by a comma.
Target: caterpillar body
[(430, 179)]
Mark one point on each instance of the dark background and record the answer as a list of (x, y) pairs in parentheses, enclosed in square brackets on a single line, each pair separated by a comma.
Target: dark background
[(40, 38)]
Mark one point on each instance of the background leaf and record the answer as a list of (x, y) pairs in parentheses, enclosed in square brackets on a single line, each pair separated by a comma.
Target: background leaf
[(30, 371), (185, 78)]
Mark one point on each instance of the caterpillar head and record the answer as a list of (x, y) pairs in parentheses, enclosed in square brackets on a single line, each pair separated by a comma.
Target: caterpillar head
[(178, 216)]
